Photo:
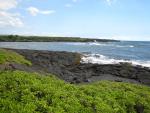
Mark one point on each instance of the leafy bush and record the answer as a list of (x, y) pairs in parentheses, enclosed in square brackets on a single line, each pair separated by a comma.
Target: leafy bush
[(23, 92), (10, 56)]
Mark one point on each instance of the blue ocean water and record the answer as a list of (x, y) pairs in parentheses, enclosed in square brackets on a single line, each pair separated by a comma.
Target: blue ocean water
[(136, 52)]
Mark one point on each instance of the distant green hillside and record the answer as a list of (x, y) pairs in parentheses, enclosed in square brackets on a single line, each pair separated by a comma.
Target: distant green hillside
[(16, 38)]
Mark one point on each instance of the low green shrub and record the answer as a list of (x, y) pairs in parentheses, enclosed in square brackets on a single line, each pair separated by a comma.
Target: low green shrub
[(22, 92), (7, 56)]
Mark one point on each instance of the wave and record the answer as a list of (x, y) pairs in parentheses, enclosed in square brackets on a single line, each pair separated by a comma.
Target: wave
[(99, 44), (130, 46), (101, 59), (87, 43), (76, 43)]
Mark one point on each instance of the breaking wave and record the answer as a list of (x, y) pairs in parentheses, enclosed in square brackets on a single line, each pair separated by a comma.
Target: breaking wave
[(99, 44), (101, 59), (129, 46)]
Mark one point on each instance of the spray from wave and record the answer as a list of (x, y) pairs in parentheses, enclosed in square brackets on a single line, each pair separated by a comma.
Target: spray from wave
[(99, 44), (101, 59)]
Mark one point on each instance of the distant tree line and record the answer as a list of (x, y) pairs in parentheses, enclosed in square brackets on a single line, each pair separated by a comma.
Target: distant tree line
[(17, 38)]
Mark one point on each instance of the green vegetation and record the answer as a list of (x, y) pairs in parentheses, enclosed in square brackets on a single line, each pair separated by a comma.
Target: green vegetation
[(16, 38), (23, 92), (10, 56)]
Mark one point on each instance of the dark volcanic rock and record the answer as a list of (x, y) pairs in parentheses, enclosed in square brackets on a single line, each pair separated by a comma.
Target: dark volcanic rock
[(67, 66), (139, 108)]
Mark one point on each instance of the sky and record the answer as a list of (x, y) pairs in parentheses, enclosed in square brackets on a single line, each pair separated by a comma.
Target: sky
[(110, 19)]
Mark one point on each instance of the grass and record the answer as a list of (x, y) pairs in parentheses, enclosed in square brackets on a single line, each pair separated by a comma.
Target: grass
[(23, 92), (7, 56)]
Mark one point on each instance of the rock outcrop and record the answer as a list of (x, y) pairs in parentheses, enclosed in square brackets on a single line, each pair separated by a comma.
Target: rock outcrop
[(67, 66)]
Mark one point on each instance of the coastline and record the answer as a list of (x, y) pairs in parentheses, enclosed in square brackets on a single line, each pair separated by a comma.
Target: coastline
[(19, 38), (67, 66)]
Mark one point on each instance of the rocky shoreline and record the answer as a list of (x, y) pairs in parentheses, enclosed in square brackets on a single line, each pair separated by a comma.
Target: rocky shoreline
[(67, 66)]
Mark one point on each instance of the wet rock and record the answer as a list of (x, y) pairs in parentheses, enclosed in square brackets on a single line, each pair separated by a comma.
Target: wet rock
[(87, 80)]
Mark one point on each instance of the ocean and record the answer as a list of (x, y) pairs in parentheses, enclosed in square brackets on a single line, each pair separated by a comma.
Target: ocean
[(135, 52)]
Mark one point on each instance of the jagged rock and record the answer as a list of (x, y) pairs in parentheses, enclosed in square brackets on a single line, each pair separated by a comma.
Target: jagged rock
[(67, 66)]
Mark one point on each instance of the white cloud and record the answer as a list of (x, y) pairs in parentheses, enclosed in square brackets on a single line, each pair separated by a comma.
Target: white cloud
[(47, 12), (74, 0), (68, 5), (109, 2), (34, 11), (71, 4), (8, 4), (10, 20)]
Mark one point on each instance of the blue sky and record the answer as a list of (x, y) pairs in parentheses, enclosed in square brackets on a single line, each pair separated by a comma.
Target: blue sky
[(114, 19)]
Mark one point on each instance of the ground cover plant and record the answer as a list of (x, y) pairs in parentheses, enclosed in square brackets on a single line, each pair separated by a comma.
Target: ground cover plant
[(24, 92), (8, 56)]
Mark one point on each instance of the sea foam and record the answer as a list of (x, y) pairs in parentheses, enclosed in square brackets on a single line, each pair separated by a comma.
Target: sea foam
[(101, 59)]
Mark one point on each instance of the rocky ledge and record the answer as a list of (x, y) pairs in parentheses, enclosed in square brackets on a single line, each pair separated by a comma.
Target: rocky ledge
[(67, 66)]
